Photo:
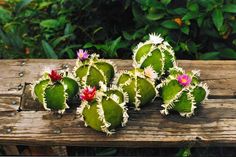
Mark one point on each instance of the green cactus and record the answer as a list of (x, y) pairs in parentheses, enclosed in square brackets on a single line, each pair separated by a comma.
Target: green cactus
[(139, 84), (104, 109), (182, 92), (93, 70), (155, 53), (55, 90)]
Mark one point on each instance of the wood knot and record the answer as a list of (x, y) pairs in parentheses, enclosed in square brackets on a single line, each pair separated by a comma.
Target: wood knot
[(23, 63), (64, 66), (21, 74), (14, 102), (56, 130), (8, 130)]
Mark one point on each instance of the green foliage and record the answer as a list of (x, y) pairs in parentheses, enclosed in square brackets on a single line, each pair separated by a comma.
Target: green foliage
[(197, 29), (184, 152)]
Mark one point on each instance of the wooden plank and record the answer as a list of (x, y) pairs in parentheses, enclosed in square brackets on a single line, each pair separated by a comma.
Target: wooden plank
[(11, 150), (9, 105), (214, 125), (219, 75), (11, 83)]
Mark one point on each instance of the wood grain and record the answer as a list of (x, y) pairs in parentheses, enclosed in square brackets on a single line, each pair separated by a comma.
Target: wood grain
[(219, 75), (214, 124)]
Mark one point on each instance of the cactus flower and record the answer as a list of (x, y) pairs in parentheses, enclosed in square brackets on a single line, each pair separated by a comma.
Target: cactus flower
[(156, 39), (55, 76), (88, 94), (184, 80), (149, 72), (82, 55), (154, 52)]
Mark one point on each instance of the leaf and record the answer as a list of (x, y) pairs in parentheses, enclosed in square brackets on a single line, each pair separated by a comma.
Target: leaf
[(5, 15), (44, 5), (228, 53), (234, 42), (137, 13), (68, 29), (115, 44), (193, 7), (60, 39), (185, 30), (189, 16), (170, 24), (49, 50), (166, 2), (229, 8), (88, 45), (180, 11), (200, 20), (70, 53), (97, 30), (20, 5), (127, 36), (210, 55), (184, 152), (4, 37), (49, 23), (217, 18), (155, 16)]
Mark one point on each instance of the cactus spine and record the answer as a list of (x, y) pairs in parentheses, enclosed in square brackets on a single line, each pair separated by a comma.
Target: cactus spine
[(93, 70), (106, 111), (54, 90), (156, 53), (182, 92), (140, 87)]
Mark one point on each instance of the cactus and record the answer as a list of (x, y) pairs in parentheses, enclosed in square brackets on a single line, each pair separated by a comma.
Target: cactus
[(53, 90), (182, 92), (93, 70), (139, 84), (103, 109), (156, 53)]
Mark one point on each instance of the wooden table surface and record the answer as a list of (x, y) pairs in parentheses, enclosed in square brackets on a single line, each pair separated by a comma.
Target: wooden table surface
[(213, 125)]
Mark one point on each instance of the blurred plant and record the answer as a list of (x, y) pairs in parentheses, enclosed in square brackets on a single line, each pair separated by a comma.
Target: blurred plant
[(184, 152), (197, 29)]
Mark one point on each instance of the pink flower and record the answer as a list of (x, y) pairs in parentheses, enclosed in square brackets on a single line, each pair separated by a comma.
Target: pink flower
[(82, 55), (55, 76), (184, 80), (88, 94)]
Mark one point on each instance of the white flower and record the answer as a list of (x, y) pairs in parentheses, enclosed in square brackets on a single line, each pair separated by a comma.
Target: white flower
[(103, 86), (149, 72), (155, 39)]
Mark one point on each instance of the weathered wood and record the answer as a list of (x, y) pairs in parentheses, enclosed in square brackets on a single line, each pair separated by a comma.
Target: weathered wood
[(219, 75), (11, 150), (215, 124), (9, 105)]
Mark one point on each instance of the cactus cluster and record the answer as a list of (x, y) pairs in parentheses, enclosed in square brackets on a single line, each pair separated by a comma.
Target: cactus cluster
[(104, 109), (156, 53), (139, 84), (104, 95), (54, 90), (182, 91), (93, 70)]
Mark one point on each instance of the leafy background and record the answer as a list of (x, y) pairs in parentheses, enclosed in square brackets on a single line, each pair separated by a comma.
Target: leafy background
[(197, 29)]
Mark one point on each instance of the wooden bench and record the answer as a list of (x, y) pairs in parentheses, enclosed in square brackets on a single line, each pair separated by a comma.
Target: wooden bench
[(213, 125)]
